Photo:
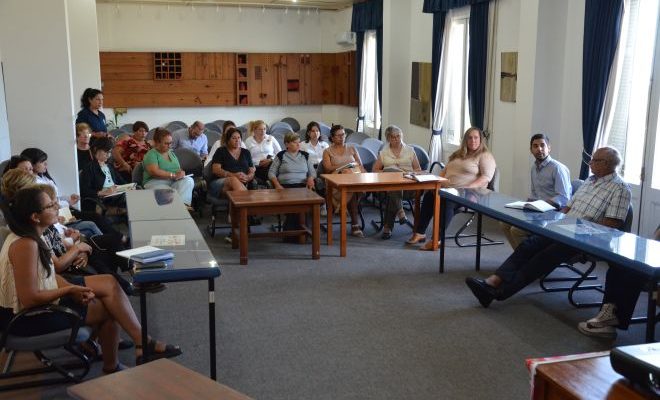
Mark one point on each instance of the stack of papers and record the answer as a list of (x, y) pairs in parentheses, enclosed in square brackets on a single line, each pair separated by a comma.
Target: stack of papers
[(146, 254), (538, 205)]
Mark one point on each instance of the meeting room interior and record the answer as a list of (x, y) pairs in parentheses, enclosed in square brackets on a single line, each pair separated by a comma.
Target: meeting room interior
[(312, 199)]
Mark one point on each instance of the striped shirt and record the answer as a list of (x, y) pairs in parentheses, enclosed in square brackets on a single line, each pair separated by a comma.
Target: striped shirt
[(598, 198)]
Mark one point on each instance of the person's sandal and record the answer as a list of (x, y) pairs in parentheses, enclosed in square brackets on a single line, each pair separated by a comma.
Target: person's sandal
[(169, 352), (416, 238), (91, 349), (356, 231), (428, 246)]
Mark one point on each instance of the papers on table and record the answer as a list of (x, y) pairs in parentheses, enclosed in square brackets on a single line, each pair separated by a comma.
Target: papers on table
[(538, 205), (168, 240), (422, 177), (581, 229), (146, 254)]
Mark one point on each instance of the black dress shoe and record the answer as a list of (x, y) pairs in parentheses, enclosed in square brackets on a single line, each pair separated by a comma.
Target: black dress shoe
[(386, 235), (481, 290)]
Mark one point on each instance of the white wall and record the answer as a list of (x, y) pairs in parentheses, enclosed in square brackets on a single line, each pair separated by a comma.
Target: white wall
[(34, 41), (207, 28), (5, 151), (83, 38)]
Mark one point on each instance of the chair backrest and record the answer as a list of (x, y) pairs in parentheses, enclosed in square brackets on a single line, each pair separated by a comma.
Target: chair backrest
[(422, 156), (175, 125), (436, 167), (575, 185), (212, 136), (128, 128), (367, 157), (348, 131), (279, 136), (494, 183), (150, 134), (4, 232), (115, 133), (213, 126), (244, 131), (356, 137), (372, 144), (3, 165), (627, 223), (189, 160), (137, 174), (293, 123), (280, 127), (325, 129)]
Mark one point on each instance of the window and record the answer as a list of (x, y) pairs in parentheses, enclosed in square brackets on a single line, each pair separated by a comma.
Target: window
[(369, 104), (626, 121)]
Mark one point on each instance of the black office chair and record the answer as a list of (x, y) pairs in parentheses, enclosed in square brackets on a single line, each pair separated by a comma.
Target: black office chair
[(295, 125), (579, 276), (218, 204), (212, 136)]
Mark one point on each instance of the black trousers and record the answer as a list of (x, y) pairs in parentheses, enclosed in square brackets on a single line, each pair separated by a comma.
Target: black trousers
[(622, 288), (426, 211)]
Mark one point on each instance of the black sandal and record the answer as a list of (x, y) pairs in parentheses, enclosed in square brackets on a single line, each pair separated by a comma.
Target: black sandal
[(169, 352), (91, 349)]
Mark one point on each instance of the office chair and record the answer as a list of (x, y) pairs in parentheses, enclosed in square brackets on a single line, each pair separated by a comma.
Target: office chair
[(217, 203), (191, 163), (212, 136), (321, 190), (293, 123)]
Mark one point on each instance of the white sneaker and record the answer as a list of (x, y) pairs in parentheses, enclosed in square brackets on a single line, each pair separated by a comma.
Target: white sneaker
[(603, 324)]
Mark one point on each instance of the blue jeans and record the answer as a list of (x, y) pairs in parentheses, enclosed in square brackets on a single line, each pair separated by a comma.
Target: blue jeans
[(87, 228)]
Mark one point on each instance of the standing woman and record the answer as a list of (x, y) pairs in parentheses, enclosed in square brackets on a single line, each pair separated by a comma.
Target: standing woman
[(471, 166), (262, 147), (395, 156), (162, 168), (28, 279), (130, 151), (338, 155), (231, 164), (313, 144), (91, 103)]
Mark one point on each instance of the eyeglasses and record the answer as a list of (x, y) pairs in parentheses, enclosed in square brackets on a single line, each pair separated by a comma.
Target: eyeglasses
[(54, 205)]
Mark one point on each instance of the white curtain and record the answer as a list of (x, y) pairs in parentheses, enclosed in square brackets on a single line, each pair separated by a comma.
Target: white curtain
[(369, 110), (441, 99)]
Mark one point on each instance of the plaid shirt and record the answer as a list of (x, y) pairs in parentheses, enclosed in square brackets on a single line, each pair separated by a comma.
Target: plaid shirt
[(598, 198)]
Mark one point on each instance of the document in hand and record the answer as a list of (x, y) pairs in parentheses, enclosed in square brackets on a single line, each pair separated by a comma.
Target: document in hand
[(122, 189), (66, 213), (345, 166), (538, 205), (146, 254), (422, 177)]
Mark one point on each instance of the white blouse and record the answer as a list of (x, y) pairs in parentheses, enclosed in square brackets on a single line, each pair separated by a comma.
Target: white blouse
[(259, 151), (315, 152), (404, 161), (8, 296)]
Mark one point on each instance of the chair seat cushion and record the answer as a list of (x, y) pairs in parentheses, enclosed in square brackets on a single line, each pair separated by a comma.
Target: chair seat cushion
[(47, 341)]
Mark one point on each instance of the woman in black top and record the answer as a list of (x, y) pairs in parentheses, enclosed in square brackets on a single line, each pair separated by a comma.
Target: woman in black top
[(232, 164), (83, 135), (99, 178)]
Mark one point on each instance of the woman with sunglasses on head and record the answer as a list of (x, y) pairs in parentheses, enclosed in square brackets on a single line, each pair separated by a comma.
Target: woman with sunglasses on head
[(28, 280)]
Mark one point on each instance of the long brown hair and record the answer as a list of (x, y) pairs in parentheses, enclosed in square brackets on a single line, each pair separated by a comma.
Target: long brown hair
[(462, 152)]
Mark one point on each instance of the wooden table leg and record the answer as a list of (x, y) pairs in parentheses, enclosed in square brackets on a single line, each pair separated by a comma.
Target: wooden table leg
[(342, 222), (316, 232), (329, 208), (243, 236), (436, 219), (234, 227)]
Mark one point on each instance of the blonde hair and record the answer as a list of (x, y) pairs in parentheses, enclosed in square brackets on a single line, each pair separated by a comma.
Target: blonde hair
[(254, 124), (462, 151), (15, 180), (49, 190), (82, 127)]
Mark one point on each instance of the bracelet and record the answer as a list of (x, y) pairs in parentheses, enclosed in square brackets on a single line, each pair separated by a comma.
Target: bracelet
[(171, 175)]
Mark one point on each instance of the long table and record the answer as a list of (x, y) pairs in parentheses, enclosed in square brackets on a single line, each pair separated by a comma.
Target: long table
[(376, 182), (616, 247), (192, 261)]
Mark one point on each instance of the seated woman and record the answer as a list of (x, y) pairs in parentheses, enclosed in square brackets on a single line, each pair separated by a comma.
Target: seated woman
[(219, 143), (336, 156), (313, 144), (130, 150), (262, 147), (20, 162), (28, 280), (162, 168), (292, 168), (83, 136), (99, 179), (395, 156), (90, 224), (471, 166), (232, 165)]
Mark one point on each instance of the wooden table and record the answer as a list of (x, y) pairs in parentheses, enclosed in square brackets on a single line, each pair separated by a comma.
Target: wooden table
[(589, 378), (159, 380), (274, 201), (377, 182)]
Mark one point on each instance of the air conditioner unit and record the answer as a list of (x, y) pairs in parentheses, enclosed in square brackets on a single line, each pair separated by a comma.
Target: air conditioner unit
[(345, 38)]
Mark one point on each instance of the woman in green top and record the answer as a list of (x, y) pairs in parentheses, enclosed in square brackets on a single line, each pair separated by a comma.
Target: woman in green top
[(162, 168)]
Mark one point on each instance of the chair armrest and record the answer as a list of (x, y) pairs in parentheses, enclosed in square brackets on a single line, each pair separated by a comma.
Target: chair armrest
[(71, 315)]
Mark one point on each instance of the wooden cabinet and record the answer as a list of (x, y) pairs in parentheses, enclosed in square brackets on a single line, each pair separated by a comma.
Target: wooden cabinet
[(140, 79)]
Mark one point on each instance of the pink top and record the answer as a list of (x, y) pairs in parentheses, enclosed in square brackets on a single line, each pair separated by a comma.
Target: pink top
[(463, 171)]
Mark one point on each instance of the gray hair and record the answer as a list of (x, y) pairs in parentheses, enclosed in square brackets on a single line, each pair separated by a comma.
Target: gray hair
[(613, 157), (392, 130)]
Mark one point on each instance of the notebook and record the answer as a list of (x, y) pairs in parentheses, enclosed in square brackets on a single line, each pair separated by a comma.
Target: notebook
[(538, 205), (146, 254)]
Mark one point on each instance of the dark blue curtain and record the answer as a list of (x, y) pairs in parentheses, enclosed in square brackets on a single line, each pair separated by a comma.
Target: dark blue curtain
[(476, 79), (435, 6), (436, 54), (369, 16), (602, 28)]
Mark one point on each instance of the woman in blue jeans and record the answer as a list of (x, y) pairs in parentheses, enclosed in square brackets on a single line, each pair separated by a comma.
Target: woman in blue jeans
[(231, 165)]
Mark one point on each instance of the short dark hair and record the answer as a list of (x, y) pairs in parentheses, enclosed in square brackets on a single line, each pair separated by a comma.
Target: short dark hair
[(15, 160), (228, 134), (334, 129), (140, 124), (88, 95), (102, 143), (539, 136), (160, 134), (309, 128)]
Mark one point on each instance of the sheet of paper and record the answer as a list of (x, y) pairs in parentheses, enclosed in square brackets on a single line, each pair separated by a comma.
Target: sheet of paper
[(168, 240), (581, 229), (138, 250)]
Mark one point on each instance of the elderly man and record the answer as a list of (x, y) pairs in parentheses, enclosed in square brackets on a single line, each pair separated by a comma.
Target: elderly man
[(192, 138), (604, 198), (551, 182)]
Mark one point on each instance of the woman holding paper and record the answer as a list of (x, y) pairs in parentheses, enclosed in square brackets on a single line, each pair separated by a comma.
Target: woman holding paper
[(471, 166), (28, 280), (162, 168), (335, 160), (395, 156), (99, 179)]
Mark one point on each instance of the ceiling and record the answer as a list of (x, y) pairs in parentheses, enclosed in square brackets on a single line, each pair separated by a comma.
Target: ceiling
[(313, 4)]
